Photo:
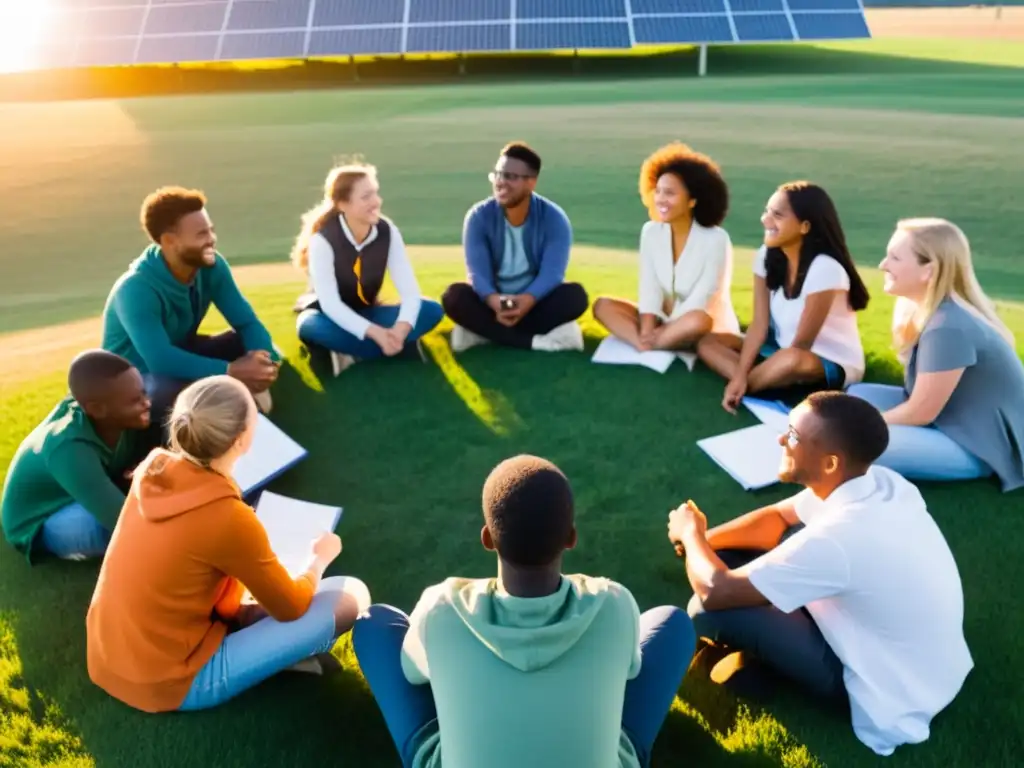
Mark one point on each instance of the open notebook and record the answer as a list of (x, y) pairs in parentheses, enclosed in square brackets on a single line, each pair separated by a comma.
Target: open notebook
[(293, 525), (752, 454), (614, 351), (272, 453)]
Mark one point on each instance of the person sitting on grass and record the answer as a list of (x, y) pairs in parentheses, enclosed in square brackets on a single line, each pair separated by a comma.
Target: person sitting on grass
[(153, 313), (346, 247), (517, 246), (66, 484), (807, 292), (534, 667), (960, 413), (847, 588), (167, 628), (685, 257)]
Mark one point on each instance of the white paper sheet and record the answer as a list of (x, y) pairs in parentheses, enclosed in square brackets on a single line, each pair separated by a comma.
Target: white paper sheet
[(750, 455), (614, 351), (769, 412), (292, 525), (272, 452)]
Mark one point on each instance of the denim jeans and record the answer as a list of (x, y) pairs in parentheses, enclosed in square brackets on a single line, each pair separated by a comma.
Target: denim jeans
[(72, 533), (249, 656), (317, 329), (667, 643), (789, 643), (920, 453)]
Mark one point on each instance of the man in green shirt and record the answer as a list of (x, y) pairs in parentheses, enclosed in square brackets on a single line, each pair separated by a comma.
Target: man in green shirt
[(66, 484), (153, 313), (532, 668)]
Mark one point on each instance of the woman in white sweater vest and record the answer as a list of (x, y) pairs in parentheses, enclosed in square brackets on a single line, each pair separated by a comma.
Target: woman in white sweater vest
[(685, 257)]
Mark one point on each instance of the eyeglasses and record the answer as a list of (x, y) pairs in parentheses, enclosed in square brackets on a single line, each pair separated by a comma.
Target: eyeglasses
[(792, 438), (493, 176)]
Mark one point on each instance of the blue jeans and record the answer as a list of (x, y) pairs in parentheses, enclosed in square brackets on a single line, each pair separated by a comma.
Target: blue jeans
[(72, 533), (920, 453), (249, 656), (667, 643), (317, 329), (789, 643)]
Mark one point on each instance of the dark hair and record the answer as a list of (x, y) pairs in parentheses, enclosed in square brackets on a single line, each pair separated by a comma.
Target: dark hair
[(163, 209), (528, 509), (700, 175), (812, 204), (92, 370), (519, 150), (852, 426)]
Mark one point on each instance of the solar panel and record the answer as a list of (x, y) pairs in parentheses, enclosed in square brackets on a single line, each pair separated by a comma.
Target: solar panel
[(120, 32)]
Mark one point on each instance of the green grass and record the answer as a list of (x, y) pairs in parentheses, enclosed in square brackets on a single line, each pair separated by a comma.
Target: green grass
[(404, 447)]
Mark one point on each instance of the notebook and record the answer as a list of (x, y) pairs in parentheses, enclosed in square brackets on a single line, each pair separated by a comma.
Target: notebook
[(614, 351), (272, 453), (750, 455), (293, 525), (774, 413)]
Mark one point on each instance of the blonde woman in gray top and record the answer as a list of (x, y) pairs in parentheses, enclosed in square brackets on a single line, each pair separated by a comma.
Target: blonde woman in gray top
[(960, 413)]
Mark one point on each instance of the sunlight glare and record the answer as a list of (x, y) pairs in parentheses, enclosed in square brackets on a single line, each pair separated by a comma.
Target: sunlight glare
[(21, 28)]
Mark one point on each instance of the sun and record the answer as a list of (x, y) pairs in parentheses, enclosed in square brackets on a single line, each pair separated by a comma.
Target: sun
[(22, 23)]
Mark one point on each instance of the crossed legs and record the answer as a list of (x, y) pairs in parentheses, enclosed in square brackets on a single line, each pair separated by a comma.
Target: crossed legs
[(622, 319), (783, 368)]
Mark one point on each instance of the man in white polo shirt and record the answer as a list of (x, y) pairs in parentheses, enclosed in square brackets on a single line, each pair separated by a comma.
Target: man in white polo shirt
[(847, 587)]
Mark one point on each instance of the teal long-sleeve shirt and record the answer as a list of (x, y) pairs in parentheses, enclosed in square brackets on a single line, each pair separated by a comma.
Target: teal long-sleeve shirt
[(150, 314), (61, 462)]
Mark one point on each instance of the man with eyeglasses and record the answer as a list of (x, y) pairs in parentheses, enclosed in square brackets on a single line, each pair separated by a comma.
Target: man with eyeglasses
[(847, 588), (517, 245)]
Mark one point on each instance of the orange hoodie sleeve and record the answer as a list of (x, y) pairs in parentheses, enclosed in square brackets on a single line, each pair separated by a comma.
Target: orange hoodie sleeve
[(245, 554)]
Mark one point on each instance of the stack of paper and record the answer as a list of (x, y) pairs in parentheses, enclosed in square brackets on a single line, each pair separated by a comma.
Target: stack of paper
[(293, 525), (774, 413), (751, 455), (614, 351), (272, 453)]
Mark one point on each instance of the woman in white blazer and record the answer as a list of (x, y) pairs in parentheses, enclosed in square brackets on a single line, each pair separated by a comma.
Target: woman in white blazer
[(685, 257)]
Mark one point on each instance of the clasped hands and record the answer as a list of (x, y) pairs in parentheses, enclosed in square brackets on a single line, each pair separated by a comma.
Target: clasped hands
[(256, 369), (390, 340), (684, 523), (524, 302)]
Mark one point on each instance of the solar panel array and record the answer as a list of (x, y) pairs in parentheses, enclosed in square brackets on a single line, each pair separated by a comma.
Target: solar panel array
[(116, 32)]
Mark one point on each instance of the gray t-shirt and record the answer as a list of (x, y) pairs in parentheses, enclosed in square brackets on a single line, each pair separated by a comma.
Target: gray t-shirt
[(985, 413)]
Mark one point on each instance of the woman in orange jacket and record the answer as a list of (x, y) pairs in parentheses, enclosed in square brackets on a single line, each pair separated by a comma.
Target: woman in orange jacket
[(185, 549)]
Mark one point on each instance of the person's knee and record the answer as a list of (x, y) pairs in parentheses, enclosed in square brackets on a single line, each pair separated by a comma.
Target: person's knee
[(575, 297), (454, 295), (678, 624), (431, 313), (368, 626), (699, 322), (799, 362)]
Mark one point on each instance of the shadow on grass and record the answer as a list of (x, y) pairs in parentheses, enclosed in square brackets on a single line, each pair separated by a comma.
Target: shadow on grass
[(724, 61)]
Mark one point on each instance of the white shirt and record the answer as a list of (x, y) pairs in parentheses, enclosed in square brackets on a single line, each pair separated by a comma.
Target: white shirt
[(839, 337), (700, 279), (325, 282), (874, 571)]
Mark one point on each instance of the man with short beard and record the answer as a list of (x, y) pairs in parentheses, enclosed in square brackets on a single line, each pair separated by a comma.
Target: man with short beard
[(517, 247), (154, 311)]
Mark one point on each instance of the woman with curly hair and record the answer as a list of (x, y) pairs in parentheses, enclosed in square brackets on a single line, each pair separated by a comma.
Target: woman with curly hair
[(346, 246), (807, 291), (685, 257)]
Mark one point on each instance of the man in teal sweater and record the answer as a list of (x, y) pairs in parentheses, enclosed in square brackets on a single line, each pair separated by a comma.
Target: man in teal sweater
[(532, 668), (154, 310), (66, 484)]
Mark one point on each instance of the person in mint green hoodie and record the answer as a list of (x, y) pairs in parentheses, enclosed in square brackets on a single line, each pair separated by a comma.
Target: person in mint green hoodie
[(153, 313), (66, 484), (533, 668)]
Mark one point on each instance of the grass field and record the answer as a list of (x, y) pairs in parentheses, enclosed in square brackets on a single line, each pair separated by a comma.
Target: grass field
[(404, 447)]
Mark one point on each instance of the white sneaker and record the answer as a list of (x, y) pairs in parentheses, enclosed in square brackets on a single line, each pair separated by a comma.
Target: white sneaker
[(463, 339), (340, 362), (264, 401), (565, 337)]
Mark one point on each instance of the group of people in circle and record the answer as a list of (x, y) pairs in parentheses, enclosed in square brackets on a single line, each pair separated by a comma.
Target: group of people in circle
[(847, 588)]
